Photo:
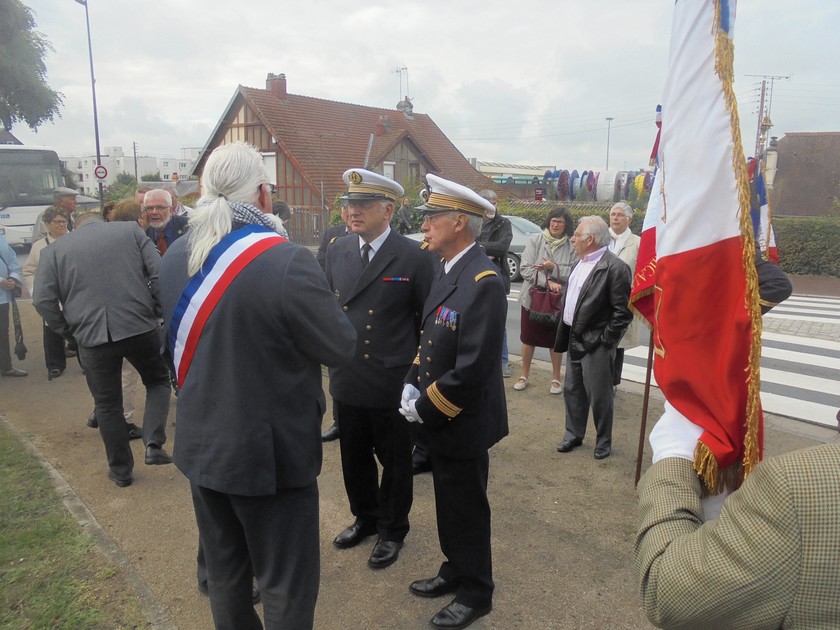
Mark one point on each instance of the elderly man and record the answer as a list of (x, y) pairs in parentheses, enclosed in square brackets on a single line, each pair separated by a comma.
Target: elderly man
[(455, 392), (112, 316), (381, 280), (65, 203), (625, 245), (164, 227), (10, 286), (595, 315), (250, 402)]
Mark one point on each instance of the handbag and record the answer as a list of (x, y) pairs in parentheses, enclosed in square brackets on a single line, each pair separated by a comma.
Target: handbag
[(546, 307)]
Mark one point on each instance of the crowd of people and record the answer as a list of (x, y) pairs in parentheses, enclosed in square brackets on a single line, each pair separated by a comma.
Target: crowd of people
[(216, 302)]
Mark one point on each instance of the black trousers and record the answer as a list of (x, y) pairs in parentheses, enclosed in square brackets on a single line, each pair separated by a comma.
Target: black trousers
[(618, 366), (54, 350), (277, 537), (103, 371), (385, 433), (463, 521), (589, 382)]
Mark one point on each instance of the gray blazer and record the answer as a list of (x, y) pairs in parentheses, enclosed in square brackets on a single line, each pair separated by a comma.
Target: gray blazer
[(99, 283)]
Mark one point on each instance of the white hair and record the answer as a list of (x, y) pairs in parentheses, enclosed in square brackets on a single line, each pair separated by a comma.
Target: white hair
[(625, 208), (474, 225), (158, 192), (233, 172), (597, 228)]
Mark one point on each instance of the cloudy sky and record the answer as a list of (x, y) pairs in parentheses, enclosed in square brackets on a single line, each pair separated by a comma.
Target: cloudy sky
[(521, 82)]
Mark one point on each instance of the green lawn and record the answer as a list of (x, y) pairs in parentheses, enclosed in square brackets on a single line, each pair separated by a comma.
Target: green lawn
[(51, 574)]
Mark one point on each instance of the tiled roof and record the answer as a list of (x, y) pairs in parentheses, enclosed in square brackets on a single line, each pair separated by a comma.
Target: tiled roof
[(808, 174), (325, 138)]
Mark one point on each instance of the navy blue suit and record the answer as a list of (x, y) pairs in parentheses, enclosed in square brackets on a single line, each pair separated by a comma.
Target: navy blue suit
[(383, 301), (458, 371)]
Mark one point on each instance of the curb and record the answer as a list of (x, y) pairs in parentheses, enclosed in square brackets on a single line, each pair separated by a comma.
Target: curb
[(155, 613)]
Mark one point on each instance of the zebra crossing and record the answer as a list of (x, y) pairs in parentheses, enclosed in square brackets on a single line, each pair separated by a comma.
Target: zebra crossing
[(800, 374)]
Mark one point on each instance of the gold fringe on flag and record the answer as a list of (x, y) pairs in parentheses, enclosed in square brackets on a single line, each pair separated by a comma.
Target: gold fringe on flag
[(705, 463)]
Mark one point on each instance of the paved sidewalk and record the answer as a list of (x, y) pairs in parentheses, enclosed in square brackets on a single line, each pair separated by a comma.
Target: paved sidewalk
[(564, 524)]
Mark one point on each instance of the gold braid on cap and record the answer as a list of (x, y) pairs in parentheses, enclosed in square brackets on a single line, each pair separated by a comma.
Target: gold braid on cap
[(437, 200), (374, 190)]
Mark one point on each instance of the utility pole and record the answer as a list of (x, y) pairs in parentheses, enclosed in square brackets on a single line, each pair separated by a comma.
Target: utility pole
[(93, 90), (136, 179), (764, 123), (609, 123)]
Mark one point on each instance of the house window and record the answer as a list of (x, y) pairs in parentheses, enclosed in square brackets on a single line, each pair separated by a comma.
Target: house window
[(414, 171), (388, 169), (182, 165), (166, 177), (166, 165)]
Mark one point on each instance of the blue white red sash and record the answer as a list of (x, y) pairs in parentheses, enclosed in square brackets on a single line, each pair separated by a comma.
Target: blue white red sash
[(204, 290)]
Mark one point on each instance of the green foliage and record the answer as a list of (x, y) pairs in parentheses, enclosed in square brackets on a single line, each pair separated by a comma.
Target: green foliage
[(150, 177), (123, 187), (24, 93), (808, 245)]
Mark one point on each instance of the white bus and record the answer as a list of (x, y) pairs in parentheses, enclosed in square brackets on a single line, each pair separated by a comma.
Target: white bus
[(28, 177)]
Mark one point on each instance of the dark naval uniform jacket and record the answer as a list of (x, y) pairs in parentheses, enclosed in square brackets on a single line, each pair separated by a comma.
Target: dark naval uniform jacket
[(383, 301), (458, 367)]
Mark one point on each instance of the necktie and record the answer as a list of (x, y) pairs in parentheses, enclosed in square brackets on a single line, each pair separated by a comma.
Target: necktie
[(161, 243), (366, 254)]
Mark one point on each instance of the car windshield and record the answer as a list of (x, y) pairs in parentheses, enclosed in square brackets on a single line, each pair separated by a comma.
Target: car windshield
[(523, 224)]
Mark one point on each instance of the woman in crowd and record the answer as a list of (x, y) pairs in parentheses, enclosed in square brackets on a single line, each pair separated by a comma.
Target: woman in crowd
[(546, 262)]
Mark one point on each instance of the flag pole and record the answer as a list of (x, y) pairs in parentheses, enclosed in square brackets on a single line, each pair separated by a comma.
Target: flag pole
[(645, 402)]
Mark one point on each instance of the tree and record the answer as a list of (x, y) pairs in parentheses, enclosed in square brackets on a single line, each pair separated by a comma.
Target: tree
[(124, 187), (150, 177), (24, 93)]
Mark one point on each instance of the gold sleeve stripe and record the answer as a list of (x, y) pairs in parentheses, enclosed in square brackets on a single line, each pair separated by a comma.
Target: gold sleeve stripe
[(424, 244), (485, 274), (333, 240), (439, 401), (416, 360), (766, 303)]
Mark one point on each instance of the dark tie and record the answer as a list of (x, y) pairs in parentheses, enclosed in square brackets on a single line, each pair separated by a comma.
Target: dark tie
[(366, 254), (161, 243)]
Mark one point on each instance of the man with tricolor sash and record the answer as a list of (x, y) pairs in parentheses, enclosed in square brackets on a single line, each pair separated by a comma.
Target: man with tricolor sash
[(767, 556), (249, 320)]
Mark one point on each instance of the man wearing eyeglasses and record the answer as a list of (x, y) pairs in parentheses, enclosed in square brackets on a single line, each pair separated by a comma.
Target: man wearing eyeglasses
[(164, 227)]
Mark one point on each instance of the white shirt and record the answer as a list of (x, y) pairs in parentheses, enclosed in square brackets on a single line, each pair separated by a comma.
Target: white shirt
[(578, 277), (375, 244), (448, 266)]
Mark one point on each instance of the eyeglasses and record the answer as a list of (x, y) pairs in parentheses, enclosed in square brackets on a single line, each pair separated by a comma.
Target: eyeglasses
[(58, 222), (557, 221), (158, 208)]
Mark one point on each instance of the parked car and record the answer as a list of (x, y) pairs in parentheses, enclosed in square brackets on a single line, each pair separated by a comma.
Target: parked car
[(522, 230)]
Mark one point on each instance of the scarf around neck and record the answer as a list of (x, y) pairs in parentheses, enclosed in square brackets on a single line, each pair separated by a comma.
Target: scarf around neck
[(553, 243)]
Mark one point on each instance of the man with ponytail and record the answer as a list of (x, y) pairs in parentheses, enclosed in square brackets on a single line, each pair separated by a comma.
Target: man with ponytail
[(249, 320)]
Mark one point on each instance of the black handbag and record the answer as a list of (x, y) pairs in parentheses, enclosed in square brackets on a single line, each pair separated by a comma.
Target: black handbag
[(546, 307)]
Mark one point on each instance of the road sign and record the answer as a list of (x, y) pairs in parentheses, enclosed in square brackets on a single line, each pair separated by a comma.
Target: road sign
[(100, 172)]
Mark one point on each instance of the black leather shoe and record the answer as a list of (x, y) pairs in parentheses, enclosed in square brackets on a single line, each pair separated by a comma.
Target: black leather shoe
[(14, 372), (384, 554), (92, 422), (156, 456), (122, 482), (330, 434), (432, 587), (354, 534), (456, 615), (603, 452), (134, 432), (54, 373), (567, 445)]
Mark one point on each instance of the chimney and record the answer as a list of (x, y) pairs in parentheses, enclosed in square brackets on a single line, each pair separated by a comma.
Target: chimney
[(276, 84)]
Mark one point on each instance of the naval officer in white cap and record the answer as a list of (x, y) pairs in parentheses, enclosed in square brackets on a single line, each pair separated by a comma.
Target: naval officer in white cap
[(454, 392), (381, 280)]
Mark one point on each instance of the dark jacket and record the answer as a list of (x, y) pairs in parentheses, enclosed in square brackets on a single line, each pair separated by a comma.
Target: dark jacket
[(496, 235), (774, 286), (330, 236), (601, 315), (174, 230), (458, 368), (249, 412), (383, 301)]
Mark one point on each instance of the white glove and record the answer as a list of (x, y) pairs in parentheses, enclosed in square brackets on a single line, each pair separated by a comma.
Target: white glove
[(674, 435), (410, 393), (409, 411)]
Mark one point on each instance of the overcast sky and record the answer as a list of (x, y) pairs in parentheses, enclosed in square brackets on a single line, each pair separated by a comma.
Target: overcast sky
[(519, 82)]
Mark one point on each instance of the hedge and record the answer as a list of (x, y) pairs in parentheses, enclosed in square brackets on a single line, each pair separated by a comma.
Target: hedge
[(808, 246)]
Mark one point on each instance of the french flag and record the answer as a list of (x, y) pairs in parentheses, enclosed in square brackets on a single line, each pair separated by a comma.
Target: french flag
[(705, 310), (765, 236)]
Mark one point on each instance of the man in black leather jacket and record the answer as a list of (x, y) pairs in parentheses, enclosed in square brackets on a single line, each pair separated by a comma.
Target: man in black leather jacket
[(595, 315)]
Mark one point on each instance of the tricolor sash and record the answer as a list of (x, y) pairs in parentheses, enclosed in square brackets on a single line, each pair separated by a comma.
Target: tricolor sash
[(204, 290)]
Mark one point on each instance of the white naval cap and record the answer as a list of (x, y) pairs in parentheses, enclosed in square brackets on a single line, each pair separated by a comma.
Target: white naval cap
[(363, 184), (443, 195)]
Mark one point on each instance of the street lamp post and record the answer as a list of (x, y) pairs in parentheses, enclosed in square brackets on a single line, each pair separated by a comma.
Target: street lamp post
[(609, 123), (93, 89)]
